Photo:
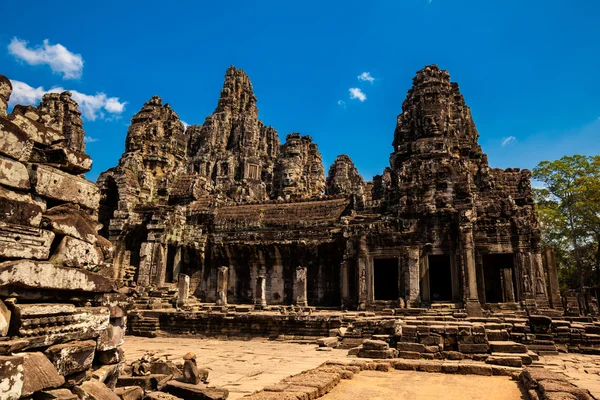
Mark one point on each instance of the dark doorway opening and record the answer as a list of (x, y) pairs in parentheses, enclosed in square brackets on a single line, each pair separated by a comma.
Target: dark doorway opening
[(171, 250), (386, 278), (109, 202), (440, 278), (499, 278)]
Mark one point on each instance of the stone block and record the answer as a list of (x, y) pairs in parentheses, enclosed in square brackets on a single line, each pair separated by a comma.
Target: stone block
[(69, 160), (4, 319), (11, 377), (473, 348), (26, 118), (130, 393), (148, 382), (20, 208), (13, 174), (475, 369), (107, 374), (369, 344), (433, 340), (55, 394), (71, 220), (38, 373), (14, 143), (507, 347), (43, 275), (113, 336), (94, 390), (76, 253), (19, 241), (328, 341), (415, 347), (108, 357), (58, 185), (378, 354), (72, 357), (195, 392), (411, 355), (516, 362)]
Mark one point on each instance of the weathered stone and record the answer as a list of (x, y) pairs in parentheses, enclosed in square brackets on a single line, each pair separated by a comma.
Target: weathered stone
[(44, 275), (20, 209), (18, 241), (38, 373), (94, 390), (11, 376), (4, 319), (375, 345), (405, 346), (107, 374), (5, 91), (113, 356), (130, 393), (195, 392), (71, 220), (14, 143), (113, 336), (58, 185), (55, 394), (190, 372), (69, 160), (76, 253), (344, 179), (72, 357), (506, 361), (13, 174), (146, 382)]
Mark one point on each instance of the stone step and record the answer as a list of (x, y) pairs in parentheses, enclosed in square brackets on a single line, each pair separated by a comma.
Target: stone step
[(526, 358), (507, 346), (507, 360)]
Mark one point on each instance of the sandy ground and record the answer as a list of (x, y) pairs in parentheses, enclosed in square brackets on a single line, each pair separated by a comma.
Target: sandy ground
[(408, 385), (238, 365)]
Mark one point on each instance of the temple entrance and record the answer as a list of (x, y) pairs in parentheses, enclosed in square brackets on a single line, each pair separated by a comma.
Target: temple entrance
[(499, 278), (171, 250), (386, 278), (440, 278)]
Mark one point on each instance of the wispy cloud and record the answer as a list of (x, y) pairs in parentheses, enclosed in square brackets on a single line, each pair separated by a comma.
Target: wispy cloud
[(507, 140), (341, 103), (57, 56), (366, 77), (356, 93), (89, 139), (91, 106)]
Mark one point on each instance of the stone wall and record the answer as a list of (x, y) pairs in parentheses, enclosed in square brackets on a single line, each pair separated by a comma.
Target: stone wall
[(60, 317)]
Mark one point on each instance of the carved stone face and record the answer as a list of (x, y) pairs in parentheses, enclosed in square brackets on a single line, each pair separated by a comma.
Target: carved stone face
[(289, 177)]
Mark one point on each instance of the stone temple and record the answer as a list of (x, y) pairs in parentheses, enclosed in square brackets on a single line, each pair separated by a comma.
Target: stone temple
[(254, 221)]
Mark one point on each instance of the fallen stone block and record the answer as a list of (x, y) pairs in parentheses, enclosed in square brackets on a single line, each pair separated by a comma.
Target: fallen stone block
[(130, 393), (328, 341), (323, 381), (549, 387), (378, 354), (107, 374), (69, 160), (19, 241), (14, 143), (94, 390), (20, 209), (109, 357), (516, 362), (72, 357), (58, 185), (55, 394), (38, 373), (27, 118), (13, 174), (4, 319), (70, 220), (43, 275), (369, 344), (148, 382), (195, 392), (11, 377), (76, 253)]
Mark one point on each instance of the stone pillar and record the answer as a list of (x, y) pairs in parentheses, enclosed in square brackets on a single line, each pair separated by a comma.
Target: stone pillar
[(507, 285), (363, 291), (143, 278), (177, 264), (160, 261), (184, 289), (473, 306), (344, 285), (300, 295), (552, 273), (260, 294), (413, 277), (222, 286)]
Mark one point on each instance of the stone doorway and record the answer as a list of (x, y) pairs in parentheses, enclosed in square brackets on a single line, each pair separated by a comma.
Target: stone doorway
[(498, 274), (440, 278), (386, 278)]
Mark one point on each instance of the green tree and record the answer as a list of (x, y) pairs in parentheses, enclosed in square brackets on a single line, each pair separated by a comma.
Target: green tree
[(569, 210)]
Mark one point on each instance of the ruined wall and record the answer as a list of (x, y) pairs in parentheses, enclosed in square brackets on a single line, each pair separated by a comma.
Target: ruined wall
[(60, 321)]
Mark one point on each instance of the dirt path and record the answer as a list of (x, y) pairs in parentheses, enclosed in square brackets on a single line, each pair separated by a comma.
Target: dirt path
[(405, 385)]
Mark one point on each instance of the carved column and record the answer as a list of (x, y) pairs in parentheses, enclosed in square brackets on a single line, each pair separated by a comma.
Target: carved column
[(413, 275), (300, 290), (143, 278), (184, 289), (552, 271), (177, 264), (222, 286), (344, 285), (507, 285), (363, 292), (260, 293), (473, 306)]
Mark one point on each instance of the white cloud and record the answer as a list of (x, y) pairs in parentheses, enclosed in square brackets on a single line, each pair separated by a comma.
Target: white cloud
[(89, 139), (91, 106), (507, 140), (185, 124), (341, 103), (60, 60), (356, 93), (366, 77)]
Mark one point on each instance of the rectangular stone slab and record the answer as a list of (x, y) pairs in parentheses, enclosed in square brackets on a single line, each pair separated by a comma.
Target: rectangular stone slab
[(25, 117), (14, 143), (13, 174), (72, 357), (76, 253), (43, 275), (19, 208), (38, 373), (11, 377), (59, 185), (18, 241), (69, 160)]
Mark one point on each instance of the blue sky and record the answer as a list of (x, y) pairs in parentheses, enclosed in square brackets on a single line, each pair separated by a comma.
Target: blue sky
[(526, 68)]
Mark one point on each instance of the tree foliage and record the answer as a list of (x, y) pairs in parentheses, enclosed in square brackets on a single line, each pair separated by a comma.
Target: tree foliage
[(568, 205)]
